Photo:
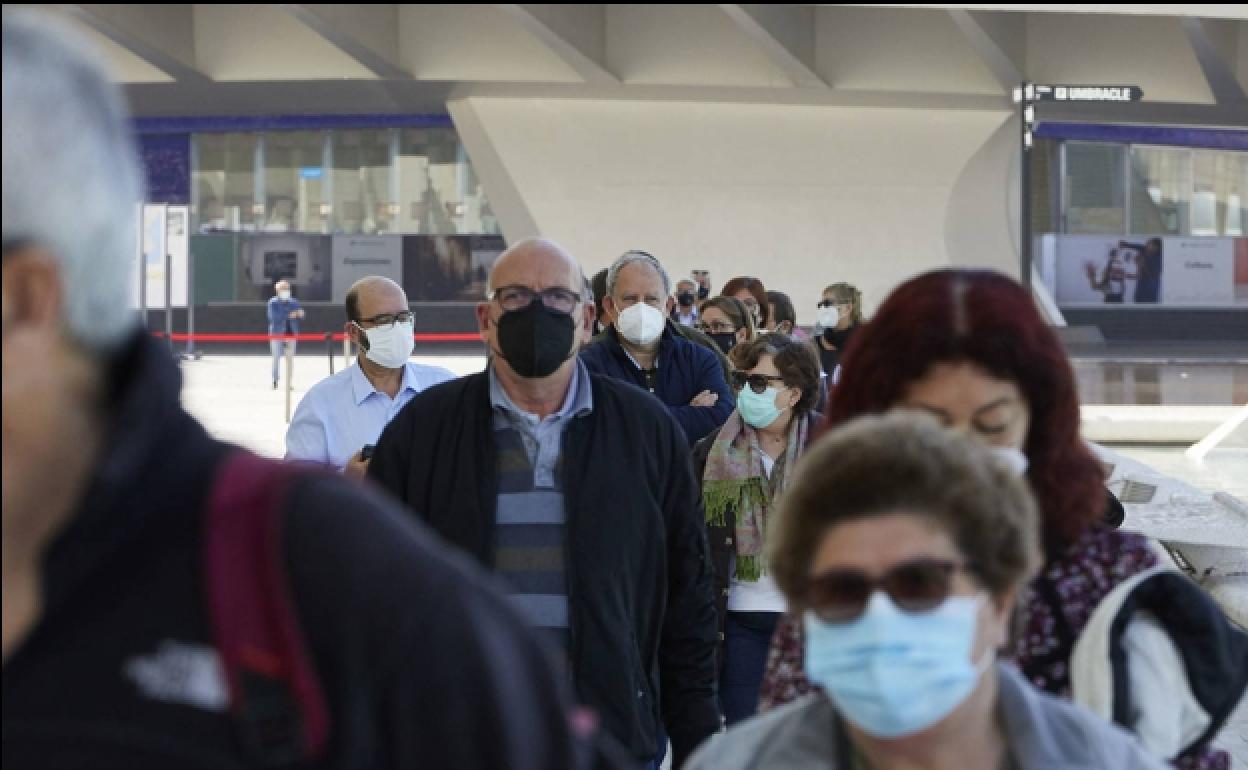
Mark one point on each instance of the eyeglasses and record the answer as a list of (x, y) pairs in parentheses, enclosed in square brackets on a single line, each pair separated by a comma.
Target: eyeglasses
[(511, 298), (387, 320), (716, 327), (757, 382), (922, 585), (832, 303)]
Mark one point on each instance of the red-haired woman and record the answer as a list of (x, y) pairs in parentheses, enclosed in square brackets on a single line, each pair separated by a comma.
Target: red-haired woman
[(752, 292), (969, 347)]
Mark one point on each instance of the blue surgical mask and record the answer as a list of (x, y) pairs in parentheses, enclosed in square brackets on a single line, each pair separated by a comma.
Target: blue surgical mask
[(894, 673), (757, 410)]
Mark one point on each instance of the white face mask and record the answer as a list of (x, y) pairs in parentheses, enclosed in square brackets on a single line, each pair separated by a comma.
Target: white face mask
[(641, 324), (1012, 458), (828, 317), (390, 348), (283, 295)]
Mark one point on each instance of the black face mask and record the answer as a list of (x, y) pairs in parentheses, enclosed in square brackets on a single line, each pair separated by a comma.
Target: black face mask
[(725, 340), (685, 298), (703, 292), (536, 340)]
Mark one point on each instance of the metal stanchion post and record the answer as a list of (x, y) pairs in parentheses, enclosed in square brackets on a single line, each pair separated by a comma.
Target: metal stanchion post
[(169, 301), (290, 373), (191, 353), (329, 348)]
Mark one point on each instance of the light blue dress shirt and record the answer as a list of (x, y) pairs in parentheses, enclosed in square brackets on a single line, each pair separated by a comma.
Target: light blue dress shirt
[(342, 413)]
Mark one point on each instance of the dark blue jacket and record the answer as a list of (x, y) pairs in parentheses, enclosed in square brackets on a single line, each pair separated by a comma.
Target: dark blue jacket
[(279, 314), (685, 369)]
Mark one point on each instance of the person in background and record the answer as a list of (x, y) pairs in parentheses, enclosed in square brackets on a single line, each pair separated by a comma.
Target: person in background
[(599, 286), (685, 312), (783, 316), (904, 547), (116, 625), (752, 292), (577, 489), (285, 313), (970, 348), (703, 280), (744, 468), (344, 414), (839, 317), (643, 348), (727, 321)]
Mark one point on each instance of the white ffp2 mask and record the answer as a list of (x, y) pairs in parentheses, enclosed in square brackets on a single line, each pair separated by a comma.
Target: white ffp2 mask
[(390, 347)]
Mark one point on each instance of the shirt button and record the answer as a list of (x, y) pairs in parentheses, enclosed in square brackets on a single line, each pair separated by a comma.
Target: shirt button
[(726, 591), (728, 541)]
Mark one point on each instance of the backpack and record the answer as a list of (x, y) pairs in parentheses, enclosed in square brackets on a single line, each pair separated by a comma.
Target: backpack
[(276, 699)]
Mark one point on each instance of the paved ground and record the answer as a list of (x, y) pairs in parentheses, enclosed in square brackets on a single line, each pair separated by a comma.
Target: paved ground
[(233, 397)]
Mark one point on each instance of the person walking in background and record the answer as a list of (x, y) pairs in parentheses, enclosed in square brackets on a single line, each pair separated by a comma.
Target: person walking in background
[(839, 317), (751, 292), (727, 321), (285, 313), (783, 316), (744, 468), (642, 347), (341, 417), (685, 312)]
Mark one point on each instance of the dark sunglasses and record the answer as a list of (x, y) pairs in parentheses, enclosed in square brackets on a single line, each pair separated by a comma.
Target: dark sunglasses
[(757, 382), (839, 596)]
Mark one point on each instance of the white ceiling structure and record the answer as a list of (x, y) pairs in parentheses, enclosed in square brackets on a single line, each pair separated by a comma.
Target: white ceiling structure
[(200, 59)]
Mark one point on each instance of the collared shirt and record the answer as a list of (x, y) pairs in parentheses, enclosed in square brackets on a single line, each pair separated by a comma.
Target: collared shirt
[(530, 539), (342, 413), (541, 436)]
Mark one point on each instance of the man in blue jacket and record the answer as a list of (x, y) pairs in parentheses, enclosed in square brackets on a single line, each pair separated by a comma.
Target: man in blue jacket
[(641, 348), (284, 316)]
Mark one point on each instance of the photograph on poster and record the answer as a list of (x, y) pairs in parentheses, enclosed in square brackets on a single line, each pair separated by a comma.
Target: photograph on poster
[(304, 260), (1144, 271)]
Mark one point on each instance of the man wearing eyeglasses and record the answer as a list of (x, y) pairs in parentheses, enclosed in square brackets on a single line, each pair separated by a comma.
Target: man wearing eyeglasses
[(342, 416), (577, 490)]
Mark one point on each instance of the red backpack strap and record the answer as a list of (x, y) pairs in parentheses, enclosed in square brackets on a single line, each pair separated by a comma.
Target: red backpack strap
[(275, 695)]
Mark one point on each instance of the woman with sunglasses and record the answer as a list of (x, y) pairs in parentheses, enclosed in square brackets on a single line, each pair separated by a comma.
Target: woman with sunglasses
[(906, 591), (727, 321), (970, 348), (839, 317), (743, 469)]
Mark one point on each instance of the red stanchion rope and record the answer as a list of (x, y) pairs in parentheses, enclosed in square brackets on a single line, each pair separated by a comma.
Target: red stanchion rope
[(339, 337)]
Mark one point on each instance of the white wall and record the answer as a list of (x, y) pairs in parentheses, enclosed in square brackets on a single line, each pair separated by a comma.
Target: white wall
[(800, 196)]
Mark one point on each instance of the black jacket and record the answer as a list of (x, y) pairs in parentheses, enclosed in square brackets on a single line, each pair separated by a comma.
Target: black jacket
[(685, 369), (421, 664), (639, 576)]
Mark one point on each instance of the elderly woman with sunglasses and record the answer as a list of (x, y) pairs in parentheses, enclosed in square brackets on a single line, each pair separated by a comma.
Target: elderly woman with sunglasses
[(904, 546), (744, 468)]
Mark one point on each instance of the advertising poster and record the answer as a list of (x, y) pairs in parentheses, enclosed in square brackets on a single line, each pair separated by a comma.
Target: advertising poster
[(359, 256), (165, 233), (304, 260), (1144, 271)]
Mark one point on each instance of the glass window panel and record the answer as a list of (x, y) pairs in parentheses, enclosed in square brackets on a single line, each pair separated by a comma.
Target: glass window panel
[(439, 193), (1094, 188), (239, 203), (1218, 192), (362, 182), (1160, 190), (208, 184), (294, 182)]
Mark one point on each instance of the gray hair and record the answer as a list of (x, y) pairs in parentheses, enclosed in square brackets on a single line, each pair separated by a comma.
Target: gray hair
[(633, 257), (71, 177)]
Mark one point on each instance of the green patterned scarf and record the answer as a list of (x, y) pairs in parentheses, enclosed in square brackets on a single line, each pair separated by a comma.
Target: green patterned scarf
[(734, 480)]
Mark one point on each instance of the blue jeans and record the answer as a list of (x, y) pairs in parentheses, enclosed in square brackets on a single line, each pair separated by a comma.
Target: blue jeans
[(278, 350), (747, 638)]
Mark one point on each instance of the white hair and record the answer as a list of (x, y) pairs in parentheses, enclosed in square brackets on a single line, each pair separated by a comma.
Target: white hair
[(633, 257), (71, 177)]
